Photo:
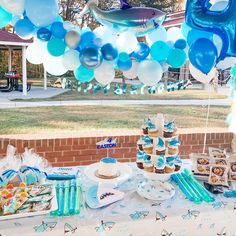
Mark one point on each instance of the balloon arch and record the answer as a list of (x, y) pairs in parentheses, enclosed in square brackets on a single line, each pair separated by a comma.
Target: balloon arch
[(206, 39)]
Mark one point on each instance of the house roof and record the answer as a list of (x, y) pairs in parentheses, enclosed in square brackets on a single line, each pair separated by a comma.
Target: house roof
[(174, 19), (10, 39)]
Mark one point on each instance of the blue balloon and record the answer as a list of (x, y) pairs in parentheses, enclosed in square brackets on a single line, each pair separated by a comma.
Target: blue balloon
[(181, 44), (177, 58), (124, 65), (109, 53), (91, 57), (160, 51), (24, 28), (123, 56), (42, 12), (203, 55), (83, 74), (86, 39), (222, 23), (44, 34), (141, 52), (5, 17), (195, 34), (58, 30), (56, 47), (233, 70)]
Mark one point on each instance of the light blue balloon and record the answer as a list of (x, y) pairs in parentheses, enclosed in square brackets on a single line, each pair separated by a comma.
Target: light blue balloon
[(177, 58), (56, 47), (123, 56), (24, 28), (83, 74), (124, 65), (5, 17), (15, 19), (160, 51), (42, 12)]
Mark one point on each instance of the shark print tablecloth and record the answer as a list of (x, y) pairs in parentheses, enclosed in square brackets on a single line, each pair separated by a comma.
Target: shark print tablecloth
[(135, 216)]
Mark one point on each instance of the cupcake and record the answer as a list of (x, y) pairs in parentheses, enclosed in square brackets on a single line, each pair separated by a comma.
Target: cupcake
[(145, 126), (152, 130), (160, 148), (169, 167), (178, 163), (173, 146), (147, 164), (160, 165), (140, 143), (148, 145), (139, 159), (169, 129)]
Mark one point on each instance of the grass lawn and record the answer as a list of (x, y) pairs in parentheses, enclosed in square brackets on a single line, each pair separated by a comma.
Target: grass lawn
[(80, 118)]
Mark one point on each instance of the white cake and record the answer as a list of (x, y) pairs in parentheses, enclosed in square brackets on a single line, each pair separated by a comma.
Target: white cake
[(108, 167)]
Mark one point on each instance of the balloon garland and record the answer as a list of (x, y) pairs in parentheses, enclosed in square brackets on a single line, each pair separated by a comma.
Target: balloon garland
[(61, 46)]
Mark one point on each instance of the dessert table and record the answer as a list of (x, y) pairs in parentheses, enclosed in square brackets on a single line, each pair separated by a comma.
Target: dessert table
[(135, 216)]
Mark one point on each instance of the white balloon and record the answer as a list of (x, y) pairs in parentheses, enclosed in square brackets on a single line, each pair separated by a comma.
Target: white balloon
[(133, 72), (35, 53), (71, 59), (106, 34), (150, 72), (158, 34), (15, 7), (127, 42), (201, 77), (54, 65), (105, 73), (226, 63), (174, 33)]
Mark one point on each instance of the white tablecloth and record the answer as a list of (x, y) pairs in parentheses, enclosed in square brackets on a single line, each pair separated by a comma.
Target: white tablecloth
[(135, 216)]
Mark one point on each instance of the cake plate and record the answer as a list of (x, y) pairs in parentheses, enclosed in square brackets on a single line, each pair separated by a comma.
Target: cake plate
[(124, 171)]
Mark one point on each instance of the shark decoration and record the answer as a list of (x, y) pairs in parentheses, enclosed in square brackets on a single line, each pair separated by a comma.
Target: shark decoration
[(199, 15), (140, 20)]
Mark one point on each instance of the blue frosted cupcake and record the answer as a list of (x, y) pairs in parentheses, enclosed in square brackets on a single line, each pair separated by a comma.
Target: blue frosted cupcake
[(170, 167), (173, 146), (140, 159), (160, 165), (160, 147), (147, 164), (169, 129), (178, 163)]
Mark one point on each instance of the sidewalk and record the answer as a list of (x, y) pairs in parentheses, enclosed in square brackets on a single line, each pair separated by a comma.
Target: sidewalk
[(4, 103)]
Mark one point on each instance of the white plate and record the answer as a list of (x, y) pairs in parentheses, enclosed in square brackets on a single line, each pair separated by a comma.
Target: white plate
[(54, 207), (160, 177), (124, 170), (156, 190)]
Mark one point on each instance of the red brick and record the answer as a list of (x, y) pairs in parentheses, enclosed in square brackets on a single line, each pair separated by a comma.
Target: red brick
[(65, 159), (57, 164), (83, 158), (38, 143), (85, 163), (62, 148), (69, 141), (44, 149), (45, 143), (88, 152), (70, 153), (53, 154), (57, 142)]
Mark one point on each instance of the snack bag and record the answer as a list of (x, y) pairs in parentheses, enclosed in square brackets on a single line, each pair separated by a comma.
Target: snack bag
[(200, 164), (219, 175), (220, 161), (232, 167), (218, 153)]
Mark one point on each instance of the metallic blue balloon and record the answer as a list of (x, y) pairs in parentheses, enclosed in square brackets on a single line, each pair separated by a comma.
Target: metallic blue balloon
[(180, 44), (109, 52), (141, 52), (44, 34), (222, 23), (91, 57), (203, 55), (195, 34), (58, 30)]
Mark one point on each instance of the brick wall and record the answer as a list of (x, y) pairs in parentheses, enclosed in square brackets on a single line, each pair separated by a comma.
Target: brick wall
[(82, 151)]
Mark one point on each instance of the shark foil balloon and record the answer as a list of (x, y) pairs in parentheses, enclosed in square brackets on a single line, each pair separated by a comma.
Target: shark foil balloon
[(140, 20), (222, 22)]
